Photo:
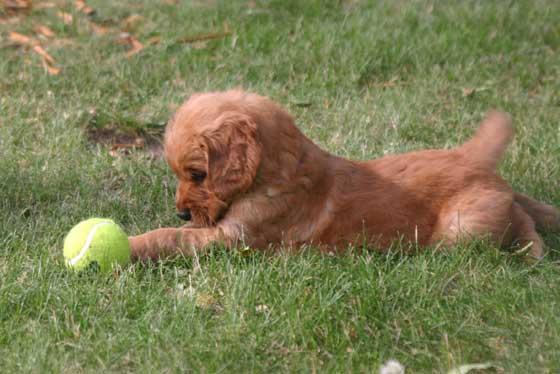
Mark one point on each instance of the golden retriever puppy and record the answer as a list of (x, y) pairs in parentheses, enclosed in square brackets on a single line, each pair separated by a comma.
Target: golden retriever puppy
[(248, 176)]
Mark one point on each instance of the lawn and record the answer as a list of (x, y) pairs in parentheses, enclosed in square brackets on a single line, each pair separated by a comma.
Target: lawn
[(363, 79)]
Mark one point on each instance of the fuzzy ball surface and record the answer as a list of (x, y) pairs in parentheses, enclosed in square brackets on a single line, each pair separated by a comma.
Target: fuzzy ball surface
[(96, 242)]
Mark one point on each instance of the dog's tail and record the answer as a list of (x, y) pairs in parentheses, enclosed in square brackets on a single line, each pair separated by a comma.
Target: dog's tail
[(490, 141), (546, 216)]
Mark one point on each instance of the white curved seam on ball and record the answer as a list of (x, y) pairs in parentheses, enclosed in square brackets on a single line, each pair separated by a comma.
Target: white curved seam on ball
[(89, 239)]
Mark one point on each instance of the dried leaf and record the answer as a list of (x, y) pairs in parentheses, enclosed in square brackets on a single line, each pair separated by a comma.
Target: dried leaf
[(130, 22), (17, 4), (122, 38), (44, 30), (41, 52), (98, 29), (48, 61), (206, 301), (65, 17), (52, 70), (62, 42), (14, 6), (24, 40), (468, 92), (20, 39), (135, 45), (83, 7), (154, 40), (9, 20), (393, 82), (203, 37), (138, 143)]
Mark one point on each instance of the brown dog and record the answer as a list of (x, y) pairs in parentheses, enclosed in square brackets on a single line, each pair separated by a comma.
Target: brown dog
[(248, 176)]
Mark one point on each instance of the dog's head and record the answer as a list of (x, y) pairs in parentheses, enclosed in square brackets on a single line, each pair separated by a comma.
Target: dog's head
[(212, 145)]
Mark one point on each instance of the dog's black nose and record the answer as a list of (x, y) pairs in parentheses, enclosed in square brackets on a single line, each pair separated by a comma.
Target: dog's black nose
[(184, 215)]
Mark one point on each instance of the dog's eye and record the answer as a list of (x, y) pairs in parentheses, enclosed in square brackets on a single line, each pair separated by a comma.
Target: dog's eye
[(198, 176)]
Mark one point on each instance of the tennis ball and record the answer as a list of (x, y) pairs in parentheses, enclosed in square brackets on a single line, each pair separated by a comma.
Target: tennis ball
[(96, 241)]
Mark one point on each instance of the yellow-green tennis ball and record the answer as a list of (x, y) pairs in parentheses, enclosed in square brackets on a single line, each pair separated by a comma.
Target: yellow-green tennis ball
[(96, 241)]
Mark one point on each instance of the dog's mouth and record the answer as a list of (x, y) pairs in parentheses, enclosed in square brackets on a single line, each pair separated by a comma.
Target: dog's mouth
[(205, 217), (204, 220), (206, 211)]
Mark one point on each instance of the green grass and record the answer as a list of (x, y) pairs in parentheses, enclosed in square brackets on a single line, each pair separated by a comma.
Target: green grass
[(363, 79)]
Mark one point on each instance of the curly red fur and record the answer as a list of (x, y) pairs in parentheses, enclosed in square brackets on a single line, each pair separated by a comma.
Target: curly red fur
[(267, 185)]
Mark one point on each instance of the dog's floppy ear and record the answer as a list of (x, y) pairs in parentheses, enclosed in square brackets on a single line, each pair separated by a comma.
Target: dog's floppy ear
[(234, 154)]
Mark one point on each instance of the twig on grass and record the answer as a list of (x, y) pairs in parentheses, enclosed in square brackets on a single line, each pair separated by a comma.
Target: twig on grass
[(204, 37)]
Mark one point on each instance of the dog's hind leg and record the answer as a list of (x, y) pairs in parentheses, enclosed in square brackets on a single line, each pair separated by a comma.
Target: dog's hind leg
[(525, 235), (491, 214), (476, 213), (545, 216)]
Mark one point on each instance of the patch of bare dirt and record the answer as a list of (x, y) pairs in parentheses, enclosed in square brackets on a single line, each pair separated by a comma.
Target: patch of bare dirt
[(124, 142)]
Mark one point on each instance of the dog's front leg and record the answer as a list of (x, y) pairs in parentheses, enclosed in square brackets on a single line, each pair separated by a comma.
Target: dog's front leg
[(167, 242)]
